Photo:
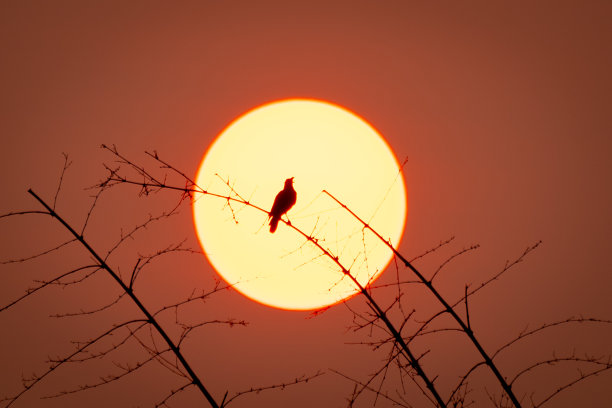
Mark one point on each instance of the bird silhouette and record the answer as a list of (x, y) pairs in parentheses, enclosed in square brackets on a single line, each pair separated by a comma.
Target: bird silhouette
[(282, 203)]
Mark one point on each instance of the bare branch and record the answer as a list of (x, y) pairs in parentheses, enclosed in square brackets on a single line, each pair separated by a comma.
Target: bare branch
[(61, 179), (130, 234), (505, 269), (451, 258), (167, 165), (83, 312), (554, 360), (467, 310), (98, 354), (151, 182), (107, 379), (135, 299), (29, 383), (96, 197), (14, 213), (187, 329), (375, 391), (33, 290), (281, 386), (463, 380), (377, 319), (174, 392), (526, 333), (447, 307), (581, 377), (48, 251)]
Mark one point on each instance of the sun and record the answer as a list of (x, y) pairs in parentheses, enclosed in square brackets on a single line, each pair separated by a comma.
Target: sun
[(323, 147)]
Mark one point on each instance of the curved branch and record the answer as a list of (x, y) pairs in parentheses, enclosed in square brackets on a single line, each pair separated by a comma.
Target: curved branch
[(48, 251), (298, 380), (28, 384), (526, 333), (31, 291)]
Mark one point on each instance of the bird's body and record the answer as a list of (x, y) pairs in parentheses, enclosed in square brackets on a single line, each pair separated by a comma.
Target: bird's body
[(282, 203)]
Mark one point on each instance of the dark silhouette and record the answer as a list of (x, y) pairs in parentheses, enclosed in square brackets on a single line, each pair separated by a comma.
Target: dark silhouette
[(391, 319), (282, 203)]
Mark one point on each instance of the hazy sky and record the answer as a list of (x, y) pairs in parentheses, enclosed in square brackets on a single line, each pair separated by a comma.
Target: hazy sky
[(502, 109)]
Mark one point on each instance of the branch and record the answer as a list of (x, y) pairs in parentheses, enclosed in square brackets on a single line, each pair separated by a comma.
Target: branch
[(29, 383), (571, 383), (135, 299), (61, 179), (13, 213), (527, 333), (31, 291), (375, 391), (297, 380), (151, 182), (48, 251), (443, 264), (444, 303), (172, 394), (90, 311), (106, 379)]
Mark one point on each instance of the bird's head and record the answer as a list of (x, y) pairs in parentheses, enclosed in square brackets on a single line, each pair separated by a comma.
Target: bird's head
[(289, 182)]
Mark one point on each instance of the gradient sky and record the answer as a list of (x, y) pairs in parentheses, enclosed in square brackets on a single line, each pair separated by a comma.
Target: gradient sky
[(502, 109)]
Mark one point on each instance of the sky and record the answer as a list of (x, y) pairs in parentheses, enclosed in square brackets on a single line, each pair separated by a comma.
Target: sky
[(501, 109)]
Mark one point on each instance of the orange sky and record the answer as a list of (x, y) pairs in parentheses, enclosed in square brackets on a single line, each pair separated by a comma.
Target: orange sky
[(503, 111)]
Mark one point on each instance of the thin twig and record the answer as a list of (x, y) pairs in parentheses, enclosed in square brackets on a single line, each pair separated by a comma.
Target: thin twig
[(61, 179), (297, 380)]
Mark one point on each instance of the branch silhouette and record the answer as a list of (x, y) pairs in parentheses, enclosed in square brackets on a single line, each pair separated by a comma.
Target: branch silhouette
[(129, 291), (151, 184), (447, 307), (458, 395), (391, 319), (178, 364)]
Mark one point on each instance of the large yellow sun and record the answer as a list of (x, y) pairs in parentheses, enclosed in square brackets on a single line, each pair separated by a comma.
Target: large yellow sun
[(324, 147)]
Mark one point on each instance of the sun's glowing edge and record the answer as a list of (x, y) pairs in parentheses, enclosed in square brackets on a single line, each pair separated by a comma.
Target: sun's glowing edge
[(396, 240)]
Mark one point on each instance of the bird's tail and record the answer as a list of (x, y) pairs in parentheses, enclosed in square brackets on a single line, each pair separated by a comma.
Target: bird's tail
[(274, 224)]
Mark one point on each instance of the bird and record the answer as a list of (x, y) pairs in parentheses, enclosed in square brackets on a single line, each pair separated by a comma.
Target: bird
[(282, 203)]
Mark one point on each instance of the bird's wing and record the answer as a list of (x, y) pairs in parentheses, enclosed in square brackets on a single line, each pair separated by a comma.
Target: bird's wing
[(278, 204)]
